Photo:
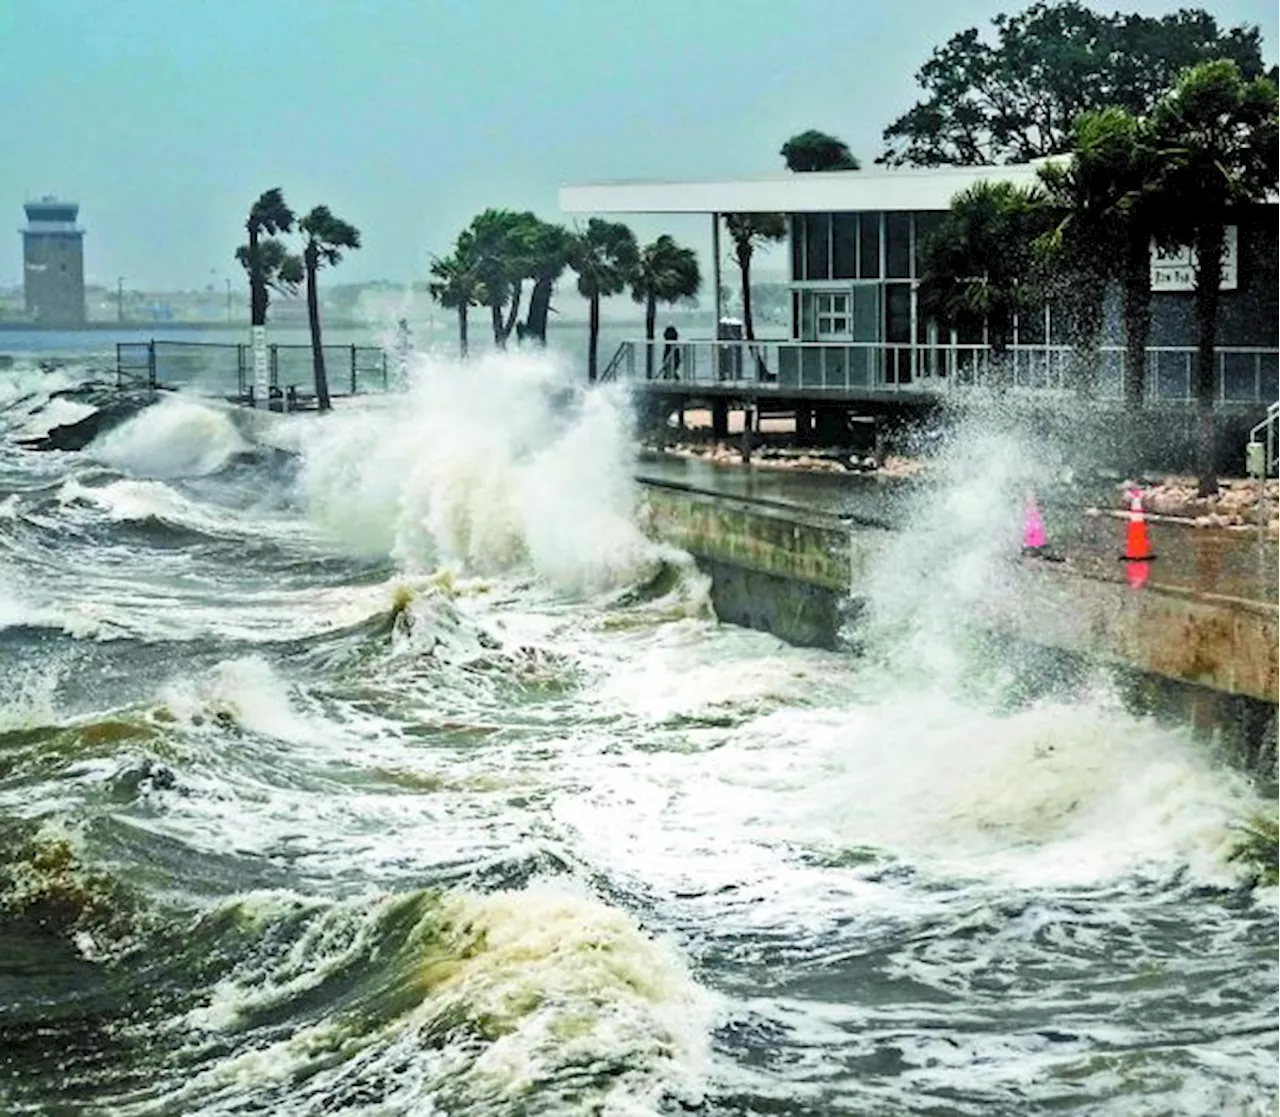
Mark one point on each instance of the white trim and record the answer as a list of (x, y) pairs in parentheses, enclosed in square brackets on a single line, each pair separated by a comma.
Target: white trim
[(929, 188)]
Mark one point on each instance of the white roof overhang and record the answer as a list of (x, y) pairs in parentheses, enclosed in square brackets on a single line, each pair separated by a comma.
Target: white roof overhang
[(831, 192)]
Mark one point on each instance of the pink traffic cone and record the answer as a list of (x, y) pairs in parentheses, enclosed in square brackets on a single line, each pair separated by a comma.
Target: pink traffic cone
[(1033, 536)]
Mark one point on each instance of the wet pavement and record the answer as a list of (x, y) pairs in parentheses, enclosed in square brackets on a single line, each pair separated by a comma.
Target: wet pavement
[(1199, 560)]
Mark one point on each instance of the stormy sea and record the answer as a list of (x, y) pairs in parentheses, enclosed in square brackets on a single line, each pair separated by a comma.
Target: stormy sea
[(378, 763)]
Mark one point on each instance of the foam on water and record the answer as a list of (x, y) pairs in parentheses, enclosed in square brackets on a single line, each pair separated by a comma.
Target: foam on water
[(488, 465), (177, 437), (477, 1002)]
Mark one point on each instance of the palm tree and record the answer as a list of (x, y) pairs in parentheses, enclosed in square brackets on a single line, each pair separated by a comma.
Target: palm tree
[(278, 270), (817, 151), (747, 231), (501, 255), (326, 237), (605, 257), (978, 265), (455, 286), (547, 255), (666, 273), (1217, 141), (270, 215), (1105, 198)]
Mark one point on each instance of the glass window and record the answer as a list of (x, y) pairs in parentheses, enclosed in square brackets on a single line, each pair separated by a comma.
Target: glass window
[(797, 246), (897, 312), (817, 229), (897, 249), (869, 245), (844, 246), (832, 315), (926, 225)]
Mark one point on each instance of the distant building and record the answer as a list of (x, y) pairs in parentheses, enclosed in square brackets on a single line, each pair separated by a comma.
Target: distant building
[(53, 263)]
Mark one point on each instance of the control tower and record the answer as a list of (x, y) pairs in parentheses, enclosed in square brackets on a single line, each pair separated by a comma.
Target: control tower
[(53, 263)]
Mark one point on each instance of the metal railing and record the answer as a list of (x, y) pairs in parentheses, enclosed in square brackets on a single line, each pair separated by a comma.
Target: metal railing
[(227, 369), (1245, 375)]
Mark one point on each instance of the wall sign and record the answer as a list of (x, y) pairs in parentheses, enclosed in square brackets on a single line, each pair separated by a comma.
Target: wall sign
[(1174, 269)]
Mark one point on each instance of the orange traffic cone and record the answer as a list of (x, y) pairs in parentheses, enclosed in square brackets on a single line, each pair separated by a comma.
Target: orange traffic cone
[(1137, 551)]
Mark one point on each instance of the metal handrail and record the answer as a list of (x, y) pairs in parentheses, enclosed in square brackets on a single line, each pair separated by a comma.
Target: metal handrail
[(1244, 374)]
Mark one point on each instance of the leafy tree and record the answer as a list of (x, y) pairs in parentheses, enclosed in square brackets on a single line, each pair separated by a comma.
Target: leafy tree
[(546, 254), (327, 236), (269, 215), (605, 257), (666, 273), (747, 230), (817, 151), (1015, 99), (1217, 138), (978, 265), (455, 285), (277, 270)]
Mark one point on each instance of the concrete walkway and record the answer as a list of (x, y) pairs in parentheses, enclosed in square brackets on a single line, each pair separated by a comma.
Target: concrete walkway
[(1202, 561)]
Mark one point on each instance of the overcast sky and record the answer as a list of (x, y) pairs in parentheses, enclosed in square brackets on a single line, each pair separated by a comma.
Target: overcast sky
[(164, 118)]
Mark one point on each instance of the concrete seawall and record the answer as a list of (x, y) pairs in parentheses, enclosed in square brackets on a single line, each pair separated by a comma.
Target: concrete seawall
[(798, 574)]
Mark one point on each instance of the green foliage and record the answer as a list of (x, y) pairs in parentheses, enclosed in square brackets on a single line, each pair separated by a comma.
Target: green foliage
[(454, 281), (1216, 133), (665, 273), (326, 236), (1016, 99), (605, 257), (749, 230), (817, 151), (280, 269), (979, 263), (1257, 846), (269, 214), (500, 252)]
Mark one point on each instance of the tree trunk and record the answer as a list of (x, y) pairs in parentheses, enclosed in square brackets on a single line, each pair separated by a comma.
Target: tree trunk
[(1087, 355), (744, 262), (1210, 241), (317, 348), (593, 337), (650, 323), (495, 317), (535, 323), (999, 330), (513, 312), (1137, 318), (462, 330)]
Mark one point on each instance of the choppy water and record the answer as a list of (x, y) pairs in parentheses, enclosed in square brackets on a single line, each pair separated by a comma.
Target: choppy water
[(376, 764)]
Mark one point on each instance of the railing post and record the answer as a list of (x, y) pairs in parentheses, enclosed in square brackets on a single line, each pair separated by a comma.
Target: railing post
[(275, 373), (151, 364), (353, 370)]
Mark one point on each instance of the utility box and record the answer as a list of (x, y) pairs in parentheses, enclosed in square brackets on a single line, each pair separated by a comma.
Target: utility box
[(729, 357), (1255, 459)]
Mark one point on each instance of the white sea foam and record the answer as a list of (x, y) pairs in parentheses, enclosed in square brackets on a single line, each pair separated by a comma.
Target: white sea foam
[(15, 612), (544, 989), (489, 465), (175, 438)]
